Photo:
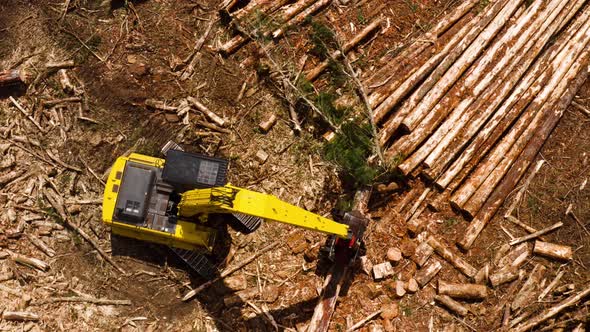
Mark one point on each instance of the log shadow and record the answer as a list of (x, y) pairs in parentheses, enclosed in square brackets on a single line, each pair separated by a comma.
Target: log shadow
[(14, 90)]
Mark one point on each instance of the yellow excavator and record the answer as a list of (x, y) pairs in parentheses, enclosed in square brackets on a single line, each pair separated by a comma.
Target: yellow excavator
[(170, 201)]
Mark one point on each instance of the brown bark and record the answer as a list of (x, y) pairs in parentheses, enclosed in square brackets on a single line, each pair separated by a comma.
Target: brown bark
[(236, 42), (510, 110), (427, 272), (460, 112), (527, 292), (20, 316), (267, 124), (423, 252), (11, 77), (419, 45), (479, 186), (452, 257), (462, 291), (516, 257), (553, 311), (441, 80), (521, 47), (212, 116), (317, 70), (553, 250), (442, 61), (452, 305), (503, 276), (29, 261), (37, 242), (536, 234), (302, 16)]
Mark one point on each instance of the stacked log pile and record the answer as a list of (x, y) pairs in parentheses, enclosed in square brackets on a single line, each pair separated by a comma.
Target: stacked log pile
[(267, 19), (471, 116)]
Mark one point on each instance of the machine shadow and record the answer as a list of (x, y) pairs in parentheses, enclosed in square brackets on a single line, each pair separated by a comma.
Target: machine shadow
[(227, 316)]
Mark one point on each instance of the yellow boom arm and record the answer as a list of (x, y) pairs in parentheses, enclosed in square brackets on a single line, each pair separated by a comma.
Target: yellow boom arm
[(230, 199)]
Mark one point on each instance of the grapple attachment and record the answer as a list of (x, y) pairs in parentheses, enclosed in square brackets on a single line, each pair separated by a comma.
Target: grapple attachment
[(345, 251)]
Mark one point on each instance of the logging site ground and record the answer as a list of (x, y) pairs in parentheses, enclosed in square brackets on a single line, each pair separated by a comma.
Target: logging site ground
[(96, 80)]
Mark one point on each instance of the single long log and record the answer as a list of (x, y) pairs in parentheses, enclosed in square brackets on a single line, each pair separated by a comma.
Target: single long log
[(553, 311), (299, 18), (317, 70), (453, 258), (420, 107), (20, 316), (419, 45), (451, 304), (487, 175), (527, 292), (427, 272), (491, 88), (536, 234), (12, 77), (520, 166), (442, 61), (553, 250), (29, 261), (511, 108), (236, 42), (462, 291), (503, 276)]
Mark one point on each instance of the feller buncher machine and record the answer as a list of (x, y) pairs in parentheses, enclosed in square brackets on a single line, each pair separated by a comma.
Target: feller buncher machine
[(176, 201)]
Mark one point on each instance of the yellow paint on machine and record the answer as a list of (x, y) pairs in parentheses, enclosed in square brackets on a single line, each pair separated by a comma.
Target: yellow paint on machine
[(188, 235), (230, 199)]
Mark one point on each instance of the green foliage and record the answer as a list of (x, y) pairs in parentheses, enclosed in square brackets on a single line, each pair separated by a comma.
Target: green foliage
[(360, 16), (350, 150), (262, 22), (322, 39), (481, 5), (325, 103), (336, 73), (412, 5)]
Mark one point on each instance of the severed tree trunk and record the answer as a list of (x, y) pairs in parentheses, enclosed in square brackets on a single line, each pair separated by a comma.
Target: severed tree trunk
[(493, 87), (502, 118), (487, 176), (12, 77), (236, 42), (520, 166), (462, 291), (553, 250), (414, 51), (317, 70), (300, 17), (447, 73), (447, 55), (451, 257)]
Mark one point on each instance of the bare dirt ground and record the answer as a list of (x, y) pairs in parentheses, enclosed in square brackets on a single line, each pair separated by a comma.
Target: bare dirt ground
[(125, 55)]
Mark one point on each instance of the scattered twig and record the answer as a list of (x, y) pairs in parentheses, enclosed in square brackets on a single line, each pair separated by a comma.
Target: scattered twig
[(364, 321), (536, 234), (54, 201), (231, 270), (81, 299), (569, 212), (22, 110)]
